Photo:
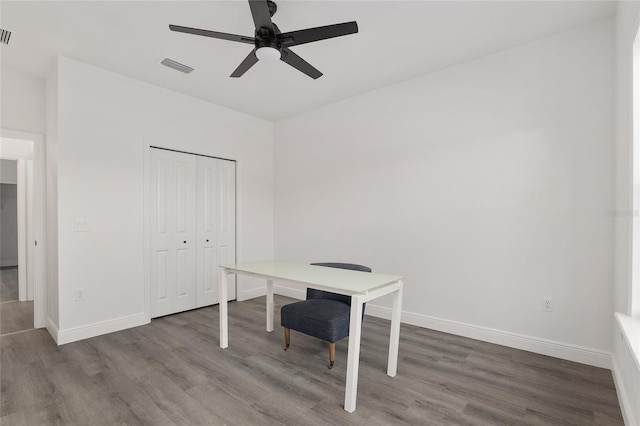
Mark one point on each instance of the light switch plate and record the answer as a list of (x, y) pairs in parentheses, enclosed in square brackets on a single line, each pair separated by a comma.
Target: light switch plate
[(80, 225)]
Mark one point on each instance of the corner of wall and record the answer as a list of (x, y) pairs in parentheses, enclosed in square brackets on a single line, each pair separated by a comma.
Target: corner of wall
[(51, 166), (52, 328)]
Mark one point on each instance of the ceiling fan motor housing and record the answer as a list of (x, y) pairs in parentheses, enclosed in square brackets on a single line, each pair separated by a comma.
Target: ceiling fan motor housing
[(266, 38)]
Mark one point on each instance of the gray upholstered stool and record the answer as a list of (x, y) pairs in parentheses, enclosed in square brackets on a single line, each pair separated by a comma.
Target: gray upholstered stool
[(323, 314)]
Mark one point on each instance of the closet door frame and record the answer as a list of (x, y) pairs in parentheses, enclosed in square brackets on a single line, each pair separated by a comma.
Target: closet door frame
[(148, 145)]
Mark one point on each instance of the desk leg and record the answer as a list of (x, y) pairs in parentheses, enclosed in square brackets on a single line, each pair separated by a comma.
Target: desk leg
[(394, 338), (222, 306), (269, 305), (353, 357)]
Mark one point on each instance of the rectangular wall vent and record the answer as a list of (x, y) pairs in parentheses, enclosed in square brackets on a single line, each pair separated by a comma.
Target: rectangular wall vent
[(4, 36), (176, 65)]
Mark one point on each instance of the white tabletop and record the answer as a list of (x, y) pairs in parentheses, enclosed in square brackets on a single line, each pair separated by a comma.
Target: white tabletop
[(341, 280)]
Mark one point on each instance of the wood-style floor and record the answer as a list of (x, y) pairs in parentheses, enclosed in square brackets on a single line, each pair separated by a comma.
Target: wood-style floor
[(8, 283), (173, 372), (15, 316)]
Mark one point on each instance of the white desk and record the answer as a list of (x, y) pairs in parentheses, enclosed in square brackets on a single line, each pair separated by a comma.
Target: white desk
[(361, 286)]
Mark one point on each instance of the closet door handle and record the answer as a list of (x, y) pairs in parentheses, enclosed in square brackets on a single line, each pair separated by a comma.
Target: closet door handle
[(185, 242), (207, 240)]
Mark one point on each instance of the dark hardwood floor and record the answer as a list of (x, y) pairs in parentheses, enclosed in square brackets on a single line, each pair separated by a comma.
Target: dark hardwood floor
[(173, 372)]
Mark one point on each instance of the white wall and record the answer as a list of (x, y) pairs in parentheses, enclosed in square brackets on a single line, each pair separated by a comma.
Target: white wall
[(22, 101), (626, 331), (485, 185), (103, 122)]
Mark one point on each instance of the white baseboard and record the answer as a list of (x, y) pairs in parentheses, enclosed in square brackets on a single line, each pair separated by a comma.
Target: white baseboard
[(52, 329), (537, 345), (100, 328), (623, 397), (500, 337), (252, 293), (8, 262), (296, 293), (626, 366)]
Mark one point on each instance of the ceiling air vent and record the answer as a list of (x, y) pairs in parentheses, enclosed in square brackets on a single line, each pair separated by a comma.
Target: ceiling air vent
[(176, 66), (4, 36)]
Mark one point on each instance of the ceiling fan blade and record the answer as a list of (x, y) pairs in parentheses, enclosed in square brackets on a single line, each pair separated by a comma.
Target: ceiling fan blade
[(300, 64), (213, 34), (261, 15), (244, 66), (294, 38)]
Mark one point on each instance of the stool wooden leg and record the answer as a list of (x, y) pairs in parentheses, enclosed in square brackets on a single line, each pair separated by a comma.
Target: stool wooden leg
[(332, 353), (287, 338)]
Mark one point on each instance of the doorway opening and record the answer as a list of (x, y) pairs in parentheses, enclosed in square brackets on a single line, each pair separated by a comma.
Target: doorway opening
[(22, 287), (16, 307)]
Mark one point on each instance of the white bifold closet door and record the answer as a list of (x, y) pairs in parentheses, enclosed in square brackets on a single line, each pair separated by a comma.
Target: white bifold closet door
[(173, 239), (216, 226), (192, 229)]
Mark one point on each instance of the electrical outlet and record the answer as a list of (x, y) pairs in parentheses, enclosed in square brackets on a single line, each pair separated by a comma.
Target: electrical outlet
[(79, 294), (547, 304)]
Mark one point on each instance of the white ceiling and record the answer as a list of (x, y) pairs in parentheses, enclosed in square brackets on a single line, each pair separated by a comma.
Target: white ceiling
[(398, 40)]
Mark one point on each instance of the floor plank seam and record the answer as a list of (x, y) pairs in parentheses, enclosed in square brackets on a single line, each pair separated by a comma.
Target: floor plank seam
[(17, 332)]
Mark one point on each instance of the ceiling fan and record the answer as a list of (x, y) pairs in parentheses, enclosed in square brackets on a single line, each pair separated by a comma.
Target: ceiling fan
[(270, 43)]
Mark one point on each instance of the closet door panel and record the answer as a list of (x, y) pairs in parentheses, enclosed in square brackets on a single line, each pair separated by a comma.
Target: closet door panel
[(186, 245), (162, 263), (173, 261), (161, 273), (207, 218)]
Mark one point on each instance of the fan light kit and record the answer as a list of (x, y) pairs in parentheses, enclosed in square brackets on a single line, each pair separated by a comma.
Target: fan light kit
[(269, 54), (270, 44)]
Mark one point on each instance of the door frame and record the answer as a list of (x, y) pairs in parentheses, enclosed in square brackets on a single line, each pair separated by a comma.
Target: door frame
[(24, 187), (31, 220), (20, 156), (147, 145)]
